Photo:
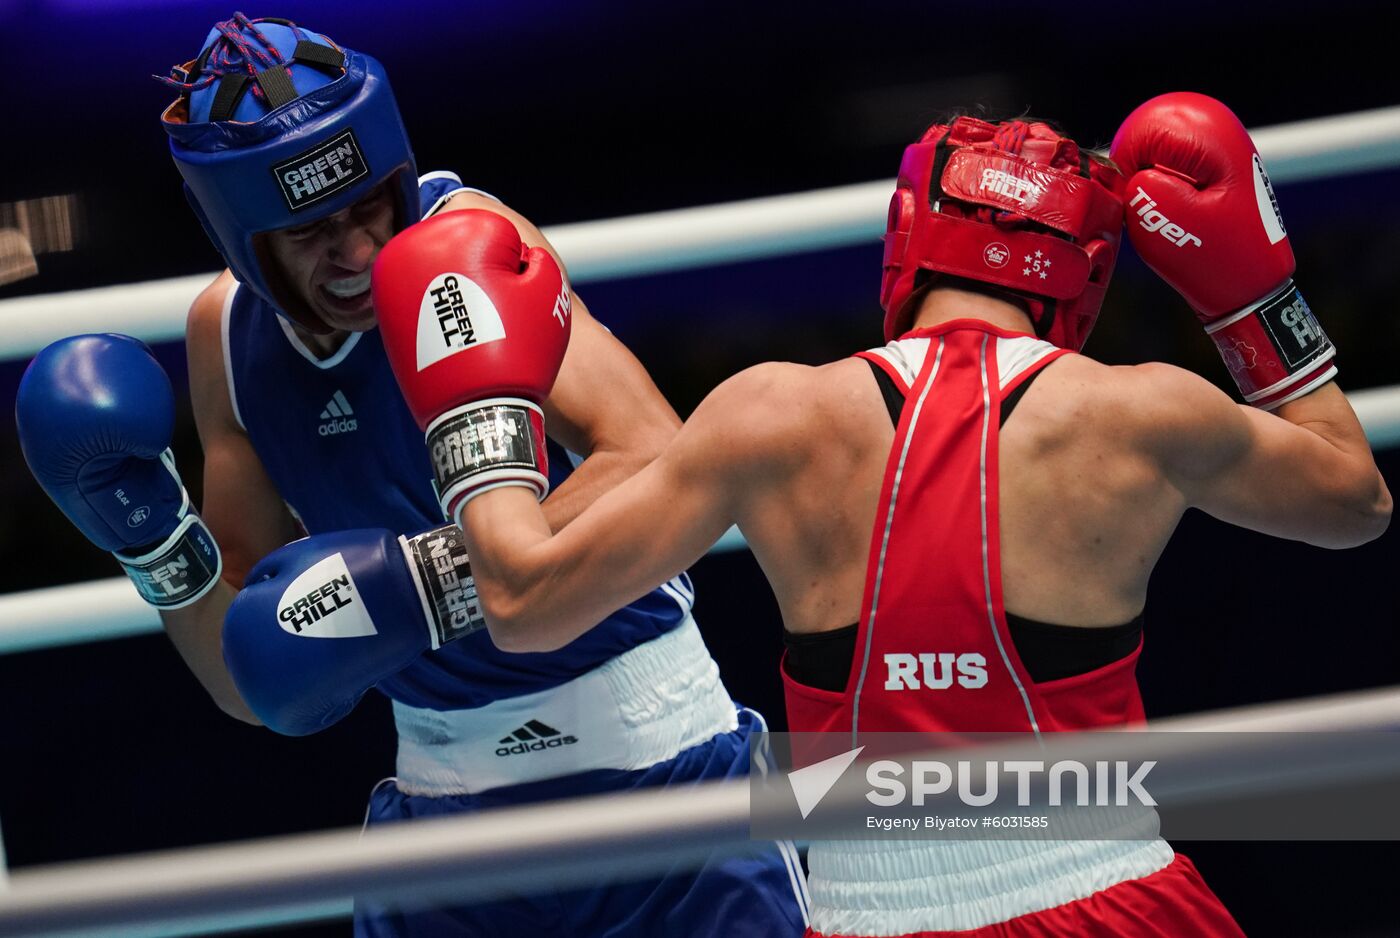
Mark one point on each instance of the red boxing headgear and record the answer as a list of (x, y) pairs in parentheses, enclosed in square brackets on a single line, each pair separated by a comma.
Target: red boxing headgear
[(974, 200)]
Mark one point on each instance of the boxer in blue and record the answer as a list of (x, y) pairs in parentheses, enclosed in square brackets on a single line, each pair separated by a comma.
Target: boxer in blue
[(296, 161)]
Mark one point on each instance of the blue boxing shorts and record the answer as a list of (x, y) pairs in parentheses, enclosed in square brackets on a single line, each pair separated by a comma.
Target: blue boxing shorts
[(661, 698)]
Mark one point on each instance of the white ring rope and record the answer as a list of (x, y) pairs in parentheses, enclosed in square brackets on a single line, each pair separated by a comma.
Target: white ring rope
[(685, 238), (536, 848)]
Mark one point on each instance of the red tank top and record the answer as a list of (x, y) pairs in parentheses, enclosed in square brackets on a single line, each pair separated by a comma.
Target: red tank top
[(933, 652)]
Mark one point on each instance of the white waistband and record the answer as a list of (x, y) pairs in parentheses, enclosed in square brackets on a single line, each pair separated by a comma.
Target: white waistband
[(882, 887), (643, 707)]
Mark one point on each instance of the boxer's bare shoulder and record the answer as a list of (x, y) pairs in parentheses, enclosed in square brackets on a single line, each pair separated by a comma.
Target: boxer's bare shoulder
[(1158, 411), (793, 445), (779, 415), (1309, 477)]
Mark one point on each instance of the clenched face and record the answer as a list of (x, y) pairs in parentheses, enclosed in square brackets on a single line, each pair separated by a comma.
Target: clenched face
[(327, 263)]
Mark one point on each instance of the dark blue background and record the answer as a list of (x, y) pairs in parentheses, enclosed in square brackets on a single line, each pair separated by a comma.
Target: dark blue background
[(573, 111)]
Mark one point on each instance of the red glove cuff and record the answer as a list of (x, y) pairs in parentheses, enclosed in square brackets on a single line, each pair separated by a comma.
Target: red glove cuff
[(1275, 349), (484, 445)]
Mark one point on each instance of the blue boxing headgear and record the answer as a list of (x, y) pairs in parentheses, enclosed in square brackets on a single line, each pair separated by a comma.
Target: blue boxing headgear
[(275, 128)]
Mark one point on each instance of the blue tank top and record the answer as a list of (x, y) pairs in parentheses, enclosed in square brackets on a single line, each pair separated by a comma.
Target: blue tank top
[(339, 443)]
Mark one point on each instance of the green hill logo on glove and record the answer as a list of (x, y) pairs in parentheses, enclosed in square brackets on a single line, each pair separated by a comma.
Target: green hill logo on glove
[(455, 314)]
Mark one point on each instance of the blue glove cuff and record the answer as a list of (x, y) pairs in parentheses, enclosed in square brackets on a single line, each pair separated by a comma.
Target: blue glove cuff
[(181, 569)]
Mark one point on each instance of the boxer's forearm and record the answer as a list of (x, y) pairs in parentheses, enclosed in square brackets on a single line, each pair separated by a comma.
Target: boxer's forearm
[(197, 634), (598, 474), (540, 592), (534, 591)]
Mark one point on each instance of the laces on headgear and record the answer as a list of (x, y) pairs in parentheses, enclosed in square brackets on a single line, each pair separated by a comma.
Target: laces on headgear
[(1011, 136), (230, 53), (241, 57)]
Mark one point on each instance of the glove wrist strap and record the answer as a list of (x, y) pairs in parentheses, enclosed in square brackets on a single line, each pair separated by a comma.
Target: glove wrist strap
[(484, 445), (178, 571), (437, 560), (1275, 349)]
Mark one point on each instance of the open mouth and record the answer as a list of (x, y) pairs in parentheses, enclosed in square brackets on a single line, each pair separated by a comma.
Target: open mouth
[(349, 288)]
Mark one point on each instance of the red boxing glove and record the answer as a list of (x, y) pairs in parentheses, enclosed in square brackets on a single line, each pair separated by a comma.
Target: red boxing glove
[(475, 325), (1201, 213)]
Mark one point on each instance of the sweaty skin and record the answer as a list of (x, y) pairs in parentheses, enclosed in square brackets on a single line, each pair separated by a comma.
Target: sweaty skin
[(1097, 466), (603, 407)]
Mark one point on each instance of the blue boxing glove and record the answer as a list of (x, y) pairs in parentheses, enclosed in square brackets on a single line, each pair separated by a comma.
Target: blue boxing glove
[(95, 416), (325, 618)]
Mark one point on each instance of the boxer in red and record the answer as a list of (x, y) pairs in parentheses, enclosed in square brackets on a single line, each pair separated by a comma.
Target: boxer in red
[(975, 486)]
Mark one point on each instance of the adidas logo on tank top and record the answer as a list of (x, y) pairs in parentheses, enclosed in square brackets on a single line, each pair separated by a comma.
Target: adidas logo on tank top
[(338, 417)]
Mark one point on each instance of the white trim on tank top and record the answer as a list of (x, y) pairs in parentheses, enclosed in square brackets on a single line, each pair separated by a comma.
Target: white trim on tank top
[(225, 314), (442, 199), (322, 363), (1014, 356)]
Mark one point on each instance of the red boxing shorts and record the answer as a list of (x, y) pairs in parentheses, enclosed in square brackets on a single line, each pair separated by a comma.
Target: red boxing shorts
[(1169, 903)]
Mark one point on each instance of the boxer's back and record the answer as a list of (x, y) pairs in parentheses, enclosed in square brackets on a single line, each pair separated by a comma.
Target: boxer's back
[(1084, 510)]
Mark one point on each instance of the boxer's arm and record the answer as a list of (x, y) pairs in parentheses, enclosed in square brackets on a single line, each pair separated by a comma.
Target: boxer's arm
[(604, 405), (241, 507), (1304, 471), (540, 592)]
